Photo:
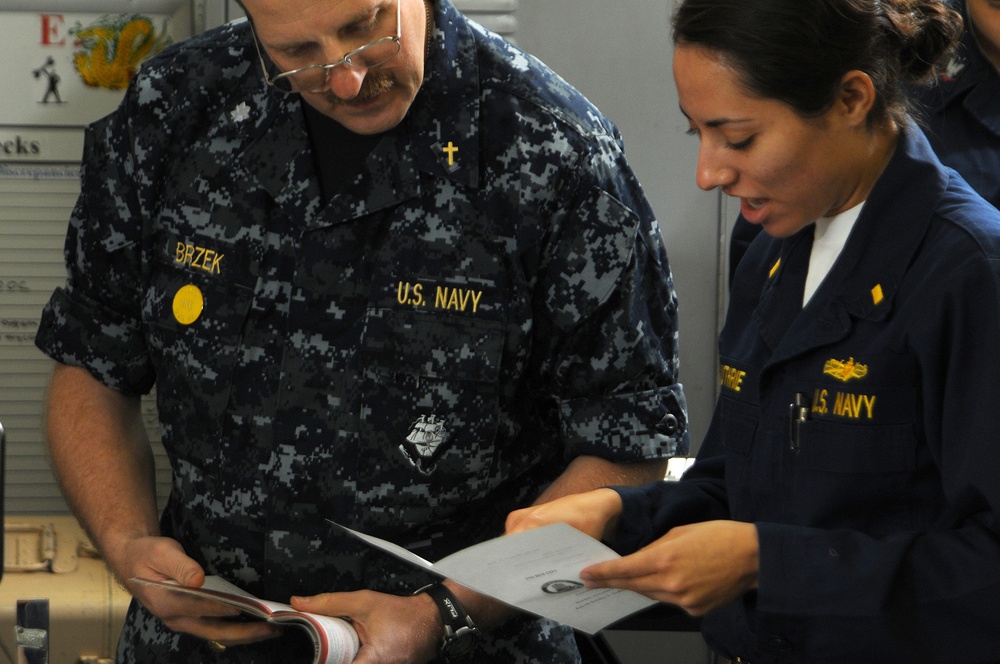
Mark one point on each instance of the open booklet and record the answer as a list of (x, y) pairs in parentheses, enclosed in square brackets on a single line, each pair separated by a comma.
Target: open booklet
[(334, 639), (536, 571)]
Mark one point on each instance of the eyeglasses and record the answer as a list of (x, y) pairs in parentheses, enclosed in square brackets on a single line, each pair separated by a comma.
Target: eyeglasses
[(313, 78)]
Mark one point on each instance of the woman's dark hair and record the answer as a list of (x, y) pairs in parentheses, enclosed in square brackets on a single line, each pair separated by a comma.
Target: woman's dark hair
[(797, 51)]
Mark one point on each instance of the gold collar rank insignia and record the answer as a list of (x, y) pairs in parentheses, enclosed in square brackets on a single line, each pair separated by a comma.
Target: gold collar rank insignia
[(877, 295), (774, 268), (845, 370)]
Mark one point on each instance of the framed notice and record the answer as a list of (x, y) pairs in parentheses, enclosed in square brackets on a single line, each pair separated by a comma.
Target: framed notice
[(64, 69)]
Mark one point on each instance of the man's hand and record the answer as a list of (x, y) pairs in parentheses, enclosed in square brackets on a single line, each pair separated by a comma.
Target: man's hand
[(698, 567), (392, 629), (163, 559), (594, 512)]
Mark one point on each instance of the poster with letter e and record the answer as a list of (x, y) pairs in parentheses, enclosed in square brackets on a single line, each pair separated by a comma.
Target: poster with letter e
[(66, 63)]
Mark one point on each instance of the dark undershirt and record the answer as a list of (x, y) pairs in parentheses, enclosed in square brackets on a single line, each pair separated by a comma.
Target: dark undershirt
[(338, 153)]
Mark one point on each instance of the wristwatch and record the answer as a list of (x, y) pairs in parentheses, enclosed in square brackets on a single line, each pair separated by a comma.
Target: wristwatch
[(460, 633)]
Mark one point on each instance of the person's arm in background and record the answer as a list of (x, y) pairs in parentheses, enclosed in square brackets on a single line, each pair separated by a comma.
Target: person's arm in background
[(101, 456)]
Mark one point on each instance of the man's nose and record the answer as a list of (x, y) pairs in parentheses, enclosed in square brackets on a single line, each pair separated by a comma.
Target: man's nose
[(345, 82)]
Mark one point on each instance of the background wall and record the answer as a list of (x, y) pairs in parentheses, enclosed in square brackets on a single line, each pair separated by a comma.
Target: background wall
[(619, 55)]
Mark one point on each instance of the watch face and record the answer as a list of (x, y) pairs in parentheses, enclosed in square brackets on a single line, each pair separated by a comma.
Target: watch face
[(461, 642)]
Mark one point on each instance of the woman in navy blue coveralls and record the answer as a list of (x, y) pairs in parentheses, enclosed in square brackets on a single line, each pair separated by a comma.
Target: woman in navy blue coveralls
[(845, 504)]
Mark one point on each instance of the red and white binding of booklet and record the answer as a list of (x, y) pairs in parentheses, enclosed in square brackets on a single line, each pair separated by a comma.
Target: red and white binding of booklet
[(334, 639)]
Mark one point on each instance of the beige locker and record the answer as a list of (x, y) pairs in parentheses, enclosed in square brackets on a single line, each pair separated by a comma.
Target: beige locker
[(52, 558)]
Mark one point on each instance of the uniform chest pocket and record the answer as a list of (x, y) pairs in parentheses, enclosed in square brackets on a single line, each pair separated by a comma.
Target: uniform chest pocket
[(430, 406), (840, 448), (853, 475), (194, 327)]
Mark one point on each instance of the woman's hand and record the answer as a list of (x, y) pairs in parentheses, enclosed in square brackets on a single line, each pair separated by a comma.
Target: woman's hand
[(698, 567)]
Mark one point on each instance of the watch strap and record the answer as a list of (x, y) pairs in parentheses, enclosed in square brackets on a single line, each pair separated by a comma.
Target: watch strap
[(458, 624)]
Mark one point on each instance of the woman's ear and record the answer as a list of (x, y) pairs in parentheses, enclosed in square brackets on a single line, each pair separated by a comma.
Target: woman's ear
[(855, 97)]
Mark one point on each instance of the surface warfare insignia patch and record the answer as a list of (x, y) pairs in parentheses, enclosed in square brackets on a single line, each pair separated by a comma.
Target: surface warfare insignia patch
[(845, 370), (424, 445)]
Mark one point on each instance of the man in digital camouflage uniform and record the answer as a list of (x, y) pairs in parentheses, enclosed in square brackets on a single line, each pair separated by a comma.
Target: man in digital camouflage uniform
[(419, 292)]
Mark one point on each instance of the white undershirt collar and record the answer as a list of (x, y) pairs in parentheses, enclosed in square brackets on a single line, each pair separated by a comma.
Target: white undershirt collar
[(829, 237)]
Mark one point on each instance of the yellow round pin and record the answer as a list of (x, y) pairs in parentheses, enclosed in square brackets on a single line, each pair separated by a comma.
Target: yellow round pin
[(188, 304)]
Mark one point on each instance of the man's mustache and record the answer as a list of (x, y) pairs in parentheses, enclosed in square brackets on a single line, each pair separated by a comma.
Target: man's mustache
[(374, 85)]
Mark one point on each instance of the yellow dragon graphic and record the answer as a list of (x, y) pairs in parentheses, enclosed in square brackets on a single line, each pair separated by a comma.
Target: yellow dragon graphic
[(113, 48)]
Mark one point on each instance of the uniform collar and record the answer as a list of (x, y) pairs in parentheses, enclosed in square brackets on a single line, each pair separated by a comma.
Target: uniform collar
[(895, 219), (863, 282), (280, 158), (444, 119)]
